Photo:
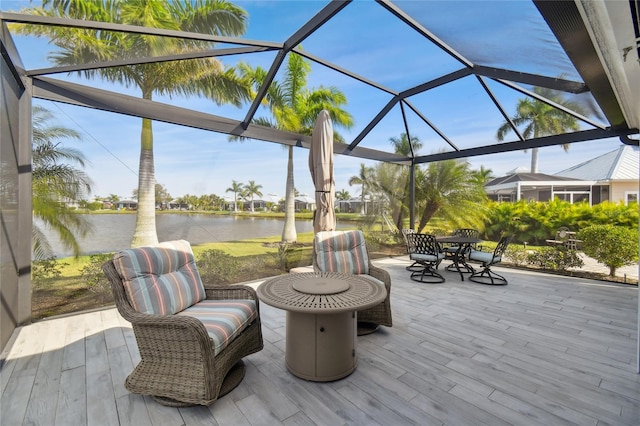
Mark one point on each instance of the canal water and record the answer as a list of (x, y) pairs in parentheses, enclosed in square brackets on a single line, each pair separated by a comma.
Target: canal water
[(112, 232)]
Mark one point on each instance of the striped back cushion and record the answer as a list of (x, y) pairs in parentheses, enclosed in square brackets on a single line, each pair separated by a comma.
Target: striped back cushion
[(160, 279), (341, 251)]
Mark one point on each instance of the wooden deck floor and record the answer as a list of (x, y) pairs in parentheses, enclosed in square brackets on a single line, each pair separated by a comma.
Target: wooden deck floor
[(544, 350)]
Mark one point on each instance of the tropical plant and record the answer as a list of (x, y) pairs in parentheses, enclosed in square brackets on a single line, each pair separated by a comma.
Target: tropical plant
[(482, 175), (202, 77), (448, 188), (252, 189), (387, 188), (541, 119), (57, 182), (343, 194), (614, 246), (362, 179), (294, 107), (402, 146), (236, 188), (535, 222)]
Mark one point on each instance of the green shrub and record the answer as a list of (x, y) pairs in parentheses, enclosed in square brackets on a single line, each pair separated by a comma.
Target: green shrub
[(45, 270), (94, 276), (517, 255), (558, 258), (217, 267), (536, 222), (613, 246)]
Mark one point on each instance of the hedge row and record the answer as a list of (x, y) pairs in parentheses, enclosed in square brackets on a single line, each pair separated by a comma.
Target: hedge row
[(535, 222)]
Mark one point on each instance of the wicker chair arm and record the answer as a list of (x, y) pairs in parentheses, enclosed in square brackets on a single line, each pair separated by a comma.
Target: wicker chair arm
[(382, 275), (235, 291), (227, 292)]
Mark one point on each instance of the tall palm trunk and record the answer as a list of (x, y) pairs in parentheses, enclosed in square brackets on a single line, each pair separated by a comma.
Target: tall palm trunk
[(534, 160), (289, 234), (429, 210), (145, 232)]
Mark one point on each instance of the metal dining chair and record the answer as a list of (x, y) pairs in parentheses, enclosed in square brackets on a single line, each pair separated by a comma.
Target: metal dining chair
[(486, 275), (428, 255), (415, 266)]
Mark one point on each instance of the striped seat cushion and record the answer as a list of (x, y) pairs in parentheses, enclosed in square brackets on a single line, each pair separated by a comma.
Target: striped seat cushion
[(160, 279), (341, 251), (223, 319)]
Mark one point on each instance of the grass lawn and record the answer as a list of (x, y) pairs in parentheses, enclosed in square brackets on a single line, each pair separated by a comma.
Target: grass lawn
[(252, 259)]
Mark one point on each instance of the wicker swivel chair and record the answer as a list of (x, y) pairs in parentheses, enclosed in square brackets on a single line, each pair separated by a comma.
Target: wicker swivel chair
[(191, 354), (346, 252), (428, 254), (486, 275)]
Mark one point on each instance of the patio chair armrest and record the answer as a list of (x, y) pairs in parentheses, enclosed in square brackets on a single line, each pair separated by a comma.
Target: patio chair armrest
[(233, 291), (381, 275), (228, 292), (162, 328)]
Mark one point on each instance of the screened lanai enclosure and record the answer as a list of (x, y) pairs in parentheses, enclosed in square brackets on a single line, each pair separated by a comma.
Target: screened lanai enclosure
[(450, 72)]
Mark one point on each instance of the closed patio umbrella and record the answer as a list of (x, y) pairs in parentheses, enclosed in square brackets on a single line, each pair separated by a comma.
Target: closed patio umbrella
[(321, 167)]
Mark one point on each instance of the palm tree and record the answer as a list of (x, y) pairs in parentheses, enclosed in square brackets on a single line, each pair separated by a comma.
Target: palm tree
[(402, 146), (448, 188), (482, 175), (343, 194), (206, 76), (294, 107), (401, 206), (541, 119), (387, 183), (56, 182), (252, 189), (236, 188), (362, 179)]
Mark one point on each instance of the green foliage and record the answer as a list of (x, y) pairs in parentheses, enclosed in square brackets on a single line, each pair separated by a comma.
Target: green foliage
[(535, 222), (93, 275), (45, 270), (517, 255), (284, 250), (217, 267), (614, 246), (557, 258)]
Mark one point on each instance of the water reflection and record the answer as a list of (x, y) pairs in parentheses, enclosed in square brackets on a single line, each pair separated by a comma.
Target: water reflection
[(113, 232)]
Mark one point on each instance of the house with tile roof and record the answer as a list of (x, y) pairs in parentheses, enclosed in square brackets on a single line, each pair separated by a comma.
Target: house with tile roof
[(609, 177)]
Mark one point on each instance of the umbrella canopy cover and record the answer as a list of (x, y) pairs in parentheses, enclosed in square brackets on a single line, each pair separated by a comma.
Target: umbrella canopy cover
[(321, 167)]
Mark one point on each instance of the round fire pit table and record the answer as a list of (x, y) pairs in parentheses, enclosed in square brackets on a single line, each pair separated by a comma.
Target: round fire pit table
[(321, 319)]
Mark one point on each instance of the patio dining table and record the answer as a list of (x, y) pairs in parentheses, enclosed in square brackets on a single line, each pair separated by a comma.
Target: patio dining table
[(458, 257)]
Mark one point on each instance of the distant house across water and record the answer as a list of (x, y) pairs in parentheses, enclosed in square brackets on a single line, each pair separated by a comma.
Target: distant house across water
[(609, 177)]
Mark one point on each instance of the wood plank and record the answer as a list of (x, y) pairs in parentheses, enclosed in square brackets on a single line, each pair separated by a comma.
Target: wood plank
[(72, 398), (44, 397), (545, 349)]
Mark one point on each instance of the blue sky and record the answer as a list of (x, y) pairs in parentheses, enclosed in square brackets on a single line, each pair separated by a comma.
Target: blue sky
[(189, 161)]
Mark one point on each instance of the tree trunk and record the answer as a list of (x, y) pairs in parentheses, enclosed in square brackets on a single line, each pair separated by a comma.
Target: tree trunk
[(534, 160), (429, 210), (145, 232), (289, 234)]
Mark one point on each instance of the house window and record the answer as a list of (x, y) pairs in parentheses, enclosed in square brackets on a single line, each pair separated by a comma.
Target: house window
[(631, 197)]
